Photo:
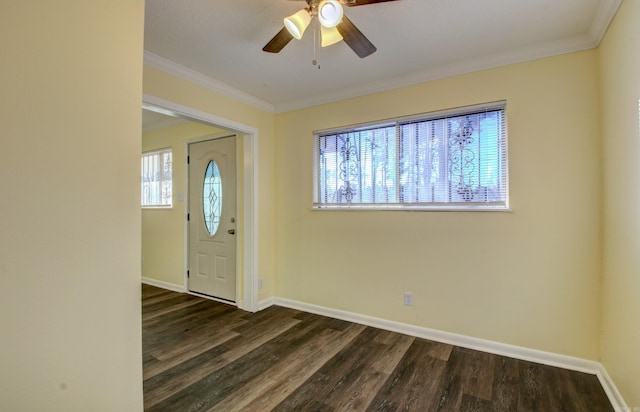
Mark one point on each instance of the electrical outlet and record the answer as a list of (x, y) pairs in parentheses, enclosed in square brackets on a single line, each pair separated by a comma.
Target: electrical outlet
[(259, 283), (408, 298)]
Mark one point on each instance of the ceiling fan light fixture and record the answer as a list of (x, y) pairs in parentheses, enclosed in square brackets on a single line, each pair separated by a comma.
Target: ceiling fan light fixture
[(297, 23), (330, 13), (330, 35)]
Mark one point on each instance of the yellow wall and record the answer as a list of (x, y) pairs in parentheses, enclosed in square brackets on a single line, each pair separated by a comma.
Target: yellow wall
[(620, 84), (163, 242), (161, 85), (528, 278), (70, 205)]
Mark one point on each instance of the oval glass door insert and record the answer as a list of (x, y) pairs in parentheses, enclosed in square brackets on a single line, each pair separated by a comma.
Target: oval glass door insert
[(212, 197)]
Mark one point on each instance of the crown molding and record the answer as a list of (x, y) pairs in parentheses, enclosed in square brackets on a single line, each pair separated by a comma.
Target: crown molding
[(603, 18), (539, 51), (209, 83)]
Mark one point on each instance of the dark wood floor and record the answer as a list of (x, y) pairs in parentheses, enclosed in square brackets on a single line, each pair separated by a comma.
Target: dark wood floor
[(201, 355)]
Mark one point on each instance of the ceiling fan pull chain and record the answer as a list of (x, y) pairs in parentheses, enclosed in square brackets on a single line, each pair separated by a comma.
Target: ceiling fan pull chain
[(315, 61)]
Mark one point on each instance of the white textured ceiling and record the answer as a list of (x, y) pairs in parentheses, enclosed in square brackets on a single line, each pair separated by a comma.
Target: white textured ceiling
[(417, 40), (152, 121)]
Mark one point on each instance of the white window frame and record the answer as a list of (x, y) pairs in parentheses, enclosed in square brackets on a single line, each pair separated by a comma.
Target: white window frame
[(159, 201), (398, 202)]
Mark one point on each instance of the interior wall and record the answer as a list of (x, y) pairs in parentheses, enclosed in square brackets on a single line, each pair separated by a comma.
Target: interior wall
[(529, 277), (163, 229), (165, 86), (71, 81), (620, 84)]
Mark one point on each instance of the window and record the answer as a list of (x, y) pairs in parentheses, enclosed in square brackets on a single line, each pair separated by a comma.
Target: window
[(156, 179), (447, 160)]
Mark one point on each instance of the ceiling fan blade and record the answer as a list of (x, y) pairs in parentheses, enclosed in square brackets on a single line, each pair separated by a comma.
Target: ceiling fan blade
[(355, 39), (352, 3), (279, 41)]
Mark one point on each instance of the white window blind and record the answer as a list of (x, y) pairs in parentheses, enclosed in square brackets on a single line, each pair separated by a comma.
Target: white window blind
[(156, 179), (452, 160)]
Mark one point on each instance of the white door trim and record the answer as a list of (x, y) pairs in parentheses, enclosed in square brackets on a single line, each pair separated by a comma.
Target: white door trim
[(249, 159)]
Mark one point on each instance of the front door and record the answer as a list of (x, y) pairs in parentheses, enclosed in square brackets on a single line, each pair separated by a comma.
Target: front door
[(212, 218)]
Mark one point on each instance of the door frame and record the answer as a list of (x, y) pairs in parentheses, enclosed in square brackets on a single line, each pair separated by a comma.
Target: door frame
[(248, 135)]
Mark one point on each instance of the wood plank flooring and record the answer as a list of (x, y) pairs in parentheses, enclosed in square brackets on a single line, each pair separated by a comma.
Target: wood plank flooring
[(201, 355)]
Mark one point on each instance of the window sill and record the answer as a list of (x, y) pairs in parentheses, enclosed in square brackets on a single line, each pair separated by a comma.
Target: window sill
[(389, 208)]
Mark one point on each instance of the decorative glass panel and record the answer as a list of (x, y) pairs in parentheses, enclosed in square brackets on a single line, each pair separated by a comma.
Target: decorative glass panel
[(212, 197)]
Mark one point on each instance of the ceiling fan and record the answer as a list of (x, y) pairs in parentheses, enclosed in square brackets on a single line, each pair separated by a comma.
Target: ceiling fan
[(334, 26)]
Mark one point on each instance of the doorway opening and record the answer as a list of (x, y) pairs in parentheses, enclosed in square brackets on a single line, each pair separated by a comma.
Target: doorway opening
[(247, 237)]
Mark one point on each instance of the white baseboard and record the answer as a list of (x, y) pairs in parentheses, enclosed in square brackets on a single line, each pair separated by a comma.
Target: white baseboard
[(612, 391), (517, 352), (263, 304), (164, 285)]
